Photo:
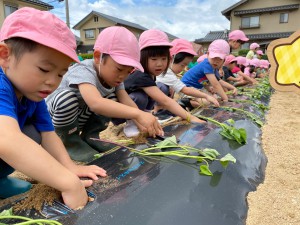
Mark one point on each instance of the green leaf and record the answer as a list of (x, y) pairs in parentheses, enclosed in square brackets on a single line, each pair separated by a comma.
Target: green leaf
[(97, 156), (204, 170), (243, 135), (170, 141), (7, 212), (226, 159), (211, 153), (231, 121)]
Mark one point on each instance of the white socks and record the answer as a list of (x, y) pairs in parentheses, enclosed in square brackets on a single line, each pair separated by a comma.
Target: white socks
[(130, 129)]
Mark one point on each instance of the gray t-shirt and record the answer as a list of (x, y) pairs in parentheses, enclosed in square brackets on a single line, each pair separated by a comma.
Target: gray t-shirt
[(80, 73), (171, 80)]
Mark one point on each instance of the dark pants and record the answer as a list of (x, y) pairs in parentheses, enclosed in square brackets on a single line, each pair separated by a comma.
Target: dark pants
[(164, 88), (31, 132), (142, 100)]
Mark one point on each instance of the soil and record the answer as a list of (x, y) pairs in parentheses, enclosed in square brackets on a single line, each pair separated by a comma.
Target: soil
[(277, 200)]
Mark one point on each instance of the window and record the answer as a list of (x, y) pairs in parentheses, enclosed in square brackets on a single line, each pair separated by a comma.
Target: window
[(250, 22), (90, 34), (284, 18), (95, 19), (9, 9)]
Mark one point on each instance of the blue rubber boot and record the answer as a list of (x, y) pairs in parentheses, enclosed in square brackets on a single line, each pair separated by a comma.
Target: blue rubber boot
[(10, 186)]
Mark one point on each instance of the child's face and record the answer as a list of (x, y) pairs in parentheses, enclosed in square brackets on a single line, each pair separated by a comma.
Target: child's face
[(38, 73), (216, 63), (113, 73), (177, 68), (157, 65)]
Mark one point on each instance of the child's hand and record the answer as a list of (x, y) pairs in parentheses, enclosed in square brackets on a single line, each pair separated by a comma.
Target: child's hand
[(213, 100), (149, 124), (235, 91), (195, 119), (91, 171), (76, 197)]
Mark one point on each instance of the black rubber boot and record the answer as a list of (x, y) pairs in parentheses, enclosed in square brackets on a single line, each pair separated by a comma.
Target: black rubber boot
[(76, 147), (91, 130)]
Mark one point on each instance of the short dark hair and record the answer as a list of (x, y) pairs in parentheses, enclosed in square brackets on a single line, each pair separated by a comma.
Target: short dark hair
[(181, 56), (154, 51), (19, 46)]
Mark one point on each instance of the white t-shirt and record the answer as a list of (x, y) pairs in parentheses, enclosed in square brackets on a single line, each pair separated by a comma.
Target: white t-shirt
[(171, 80)]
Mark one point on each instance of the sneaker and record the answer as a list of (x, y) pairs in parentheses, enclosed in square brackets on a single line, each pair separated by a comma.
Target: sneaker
[(163, 116), (130, 129)]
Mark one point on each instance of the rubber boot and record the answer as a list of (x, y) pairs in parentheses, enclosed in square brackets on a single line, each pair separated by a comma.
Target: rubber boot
[(91, 130), (76, 147), (10, 186)]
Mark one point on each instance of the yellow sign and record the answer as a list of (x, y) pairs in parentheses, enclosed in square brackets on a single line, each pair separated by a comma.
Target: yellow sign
[(284, 56)]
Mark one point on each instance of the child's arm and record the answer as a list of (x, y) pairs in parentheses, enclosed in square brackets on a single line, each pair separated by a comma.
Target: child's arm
[(26, 156), (199, 94), (113, 109), (228, 86), (248, 78), (217, 86), (54, 146), (170, 104)]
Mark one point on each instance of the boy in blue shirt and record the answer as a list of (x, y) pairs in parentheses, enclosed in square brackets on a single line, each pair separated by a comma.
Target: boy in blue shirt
[(35, 51)]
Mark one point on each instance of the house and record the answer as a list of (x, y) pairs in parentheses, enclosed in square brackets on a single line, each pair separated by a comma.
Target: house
[(262, 21), (9, 6), (91, 25)]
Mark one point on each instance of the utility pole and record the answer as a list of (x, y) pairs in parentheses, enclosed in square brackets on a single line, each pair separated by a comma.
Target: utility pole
[(67, 13)]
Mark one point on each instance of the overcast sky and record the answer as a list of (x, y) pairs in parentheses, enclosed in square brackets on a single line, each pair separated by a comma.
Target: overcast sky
[(189, 19)]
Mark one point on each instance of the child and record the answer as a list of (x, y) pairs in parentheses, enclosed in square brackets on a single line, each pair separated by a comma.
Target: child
[(205, 72), (86, 99), (155, 58), (33, 59), (259, 54), (252, 53), (236, 38), (181, 54)]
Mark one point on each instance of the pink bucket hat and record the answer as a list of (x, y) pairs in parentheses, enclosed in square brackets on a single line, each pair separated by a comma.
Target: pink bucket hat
[(242, 61), (229, 59), (254, 62), (153, 37), (254, 46), (237, 35), (182, 45), (259, 52), (201, 58), (218, 48), (121, 45), (42, 27)]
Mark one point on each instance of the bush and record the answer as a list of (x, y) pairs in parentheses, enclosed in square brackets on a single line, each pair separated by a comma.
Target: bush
[(264, 57), (86, 56), (243, 52)]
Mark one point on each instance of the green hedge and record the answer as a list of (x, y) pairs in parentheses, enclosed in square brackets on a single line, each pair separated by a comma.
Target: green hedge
[(243, 52), (86, 56)]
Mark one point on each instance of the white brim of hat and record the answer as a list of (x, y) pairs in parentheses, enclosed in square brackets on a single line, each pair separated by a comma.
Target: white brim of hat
[(126, 61)]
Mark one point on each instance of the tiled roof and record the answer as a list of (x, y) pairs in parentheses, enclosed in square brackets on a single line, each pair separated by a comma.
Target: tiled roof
[(40, 3), (111, 18), (269, 35), (268, 9), (226, 12), (211, 36)]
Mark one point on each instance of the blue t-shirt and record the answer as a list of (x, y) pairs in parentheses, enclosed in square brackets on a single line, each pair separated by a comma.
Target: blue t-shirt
[(25, 110), (196, 76)]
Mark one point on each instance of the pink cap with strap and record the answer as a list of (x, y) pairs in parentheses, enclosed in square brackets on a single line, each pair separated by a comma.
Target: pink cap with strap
[(153, 37), (254, 46), (121, 45), (42, 27), (182, 45)]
